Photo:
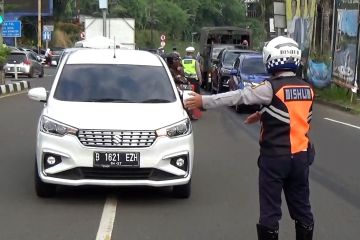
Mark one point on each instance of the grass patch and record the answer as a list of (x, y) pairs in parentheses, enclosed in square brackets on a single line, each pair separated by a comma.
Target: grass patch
[(339, 96)]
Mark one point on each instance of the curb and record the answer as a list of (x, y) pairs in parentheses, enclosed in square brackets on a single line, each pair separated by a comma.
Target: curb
[(14, 87), (338, 106)]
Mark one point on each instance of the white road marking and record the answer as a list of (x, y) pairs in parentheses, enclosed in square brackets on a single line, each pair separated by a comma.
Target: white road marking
[(107, 219), (346, 124)]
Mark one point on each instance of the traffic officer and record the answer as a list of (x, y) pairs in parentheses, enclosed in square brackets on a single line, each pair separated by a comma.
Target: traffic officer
[(285, 149), (192, 69)]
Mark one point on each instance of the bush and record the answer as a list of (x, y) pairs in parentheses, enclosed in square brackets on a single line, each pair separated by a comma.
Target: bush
[(4, 52)]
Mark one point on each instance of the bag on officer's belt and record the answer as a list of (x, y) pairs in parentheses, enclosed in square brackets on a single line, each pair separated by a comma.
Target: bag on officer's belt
[(311, 153)]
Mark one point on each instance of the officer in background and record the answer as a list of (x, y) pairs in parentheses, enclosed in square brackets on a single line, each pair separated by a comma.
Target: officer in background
[(285, 149), (192, 69)]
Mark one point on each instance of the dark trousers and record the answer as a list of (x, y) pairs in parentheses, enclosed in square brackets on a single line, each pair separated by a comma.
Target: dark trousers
[(288, 173)]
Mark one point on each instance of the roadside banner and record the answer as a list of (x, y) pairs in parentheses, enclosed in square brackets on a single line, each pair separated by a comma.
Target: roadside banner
[(346, 40)]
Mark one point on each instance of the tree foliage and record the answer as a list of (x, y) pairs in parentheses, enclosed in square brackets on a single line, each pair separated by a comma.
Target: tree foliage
[(175, 18)]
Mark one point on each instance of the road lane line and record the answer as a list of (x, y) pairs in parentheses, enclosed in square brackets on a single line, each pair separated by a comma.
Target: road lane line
[(346, 124), (107, 219)]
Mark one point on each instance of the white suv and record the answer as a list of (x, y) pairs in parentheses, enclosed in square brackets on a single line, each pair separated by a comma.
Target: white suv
[(113, 118)]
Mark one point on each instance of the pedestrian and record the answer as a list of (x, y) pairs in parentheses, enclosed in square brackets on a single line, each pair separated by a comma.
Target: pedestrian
[(174, 49), (48, 57), (192, 68), (285, 149), (245, 44), (176, 69), (177, 72)]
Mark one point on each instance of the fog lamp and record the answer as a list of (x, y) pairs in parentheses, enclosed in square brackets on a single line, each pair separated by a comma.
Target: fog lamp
[(180, 162)]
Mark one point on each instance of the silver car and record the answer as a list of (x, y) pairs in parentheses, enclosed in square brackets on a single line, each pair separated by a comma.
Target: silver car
[(23, 63)]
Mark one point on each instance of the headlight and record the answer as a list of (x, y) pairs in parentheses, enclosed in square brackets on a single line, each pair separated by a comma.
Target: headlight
[(48, 125), (179, 129)]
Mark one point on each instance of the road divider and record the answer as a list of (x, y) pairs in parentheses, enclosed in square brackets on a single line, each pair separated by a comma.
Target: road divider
[(14, 87)]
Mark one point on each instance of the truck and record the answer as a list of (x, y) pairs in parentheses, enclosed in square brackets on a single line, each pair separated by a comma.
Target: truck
[(119, 30), (213, 39)]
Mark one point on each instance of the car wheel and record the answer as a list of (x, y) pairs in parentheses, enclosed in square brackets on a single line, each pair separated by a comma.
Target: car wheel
[(31, 73), (182, 191), (42, 189), (41, 73)]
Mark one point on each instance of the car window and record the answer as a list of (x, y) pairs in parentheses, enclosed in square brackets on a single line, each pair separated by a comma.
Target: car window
[(230, 58), (253, 66), (16, 58), (32, 56), (215, 52), (114, 83)]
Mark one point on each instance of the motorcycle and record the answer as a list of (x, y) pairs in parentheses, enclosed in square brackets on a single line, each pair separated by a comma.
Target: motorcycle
[(184, 88)]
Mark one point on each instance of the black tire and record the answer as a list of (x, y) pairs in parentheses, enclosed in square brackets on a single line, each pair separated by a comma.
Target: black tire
[(43, 190), (41, 73), (182, 191)]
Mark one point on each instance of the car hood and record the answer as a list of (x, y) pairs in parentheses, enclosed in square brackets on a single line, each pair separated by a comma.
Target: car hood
[(255, 78), (124, 116), (227, 66)]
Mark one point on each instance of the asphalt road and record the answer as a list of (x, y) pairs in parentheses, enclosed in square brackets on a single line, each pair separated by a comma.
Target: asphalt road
[(224, 200)]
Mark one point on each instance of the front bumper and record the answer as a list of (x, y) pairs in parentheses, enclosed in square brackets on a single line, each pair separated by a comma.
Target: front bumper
[(76, 166)]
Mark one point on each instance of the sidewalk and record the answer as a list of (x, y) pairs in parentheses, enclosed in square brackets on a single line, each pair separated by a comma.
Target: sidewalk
[(12, 86)]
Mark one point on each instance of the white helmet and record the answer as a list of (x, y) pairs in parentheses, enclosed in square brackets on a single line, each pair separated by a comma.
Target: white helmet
[(190, 49), (281, 53)]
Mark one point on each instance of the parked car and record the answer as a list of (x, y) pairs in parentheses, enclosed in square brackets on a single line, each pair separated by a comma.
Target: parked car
[(25, 62), (248, 71), (222, 67), (113, 120)]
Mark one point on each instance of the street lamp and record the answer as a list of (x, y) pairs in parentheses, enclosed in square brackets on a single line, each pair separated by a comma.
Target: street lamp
[(192, 37)]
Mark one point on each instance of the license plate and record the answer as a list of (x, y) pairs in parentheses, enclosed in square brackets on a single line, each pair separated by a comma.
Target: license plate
[(116, 159)]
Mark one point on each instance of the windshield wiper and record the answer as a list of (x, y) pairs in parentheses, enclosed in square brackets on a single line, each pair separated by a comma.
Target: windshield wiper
[(108, 100), (156, 100)]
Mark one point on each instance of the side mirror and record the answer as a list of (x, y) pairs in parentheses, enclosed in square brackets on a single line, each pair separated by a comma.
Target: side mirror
[(215, 61), (234, 72), (38, 94)]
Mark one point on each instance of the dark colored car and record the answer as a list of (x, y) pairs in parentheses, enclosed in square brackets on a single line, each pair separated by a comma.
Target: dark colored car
[(222, 67), (207, 62), (249, 70), (23, 63)]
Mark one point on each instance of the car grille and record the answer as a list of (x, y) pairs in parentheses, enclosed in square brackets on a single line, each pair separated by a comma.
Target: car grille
[(118, 139), (115, 174)]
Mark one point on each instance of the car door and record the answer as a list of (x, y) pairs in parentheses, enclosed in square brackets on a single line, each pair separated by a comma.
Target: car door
[(234, 79), (35, 63), (216, 71)]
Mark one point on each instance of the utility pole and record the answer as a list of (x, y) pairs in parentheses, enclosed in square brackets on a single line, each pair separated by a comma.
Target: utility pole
[(39, 26), (103, 5)]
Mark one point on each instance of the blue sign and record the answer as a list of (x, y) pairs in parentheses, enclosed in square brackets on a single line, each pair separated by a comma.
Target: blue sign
[(46, 35), (11, 29)]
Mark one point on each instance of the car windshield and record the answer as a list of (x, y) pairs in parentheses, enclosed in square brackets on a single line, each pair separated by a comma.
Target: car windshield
[(16, 57), (114, 83), (230, 58), (215, 52), (253, 66)]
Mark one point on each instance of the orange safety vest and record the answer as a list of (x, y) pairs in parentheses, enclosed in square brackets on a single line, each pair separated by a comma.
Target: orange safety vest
[(285, 122)]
